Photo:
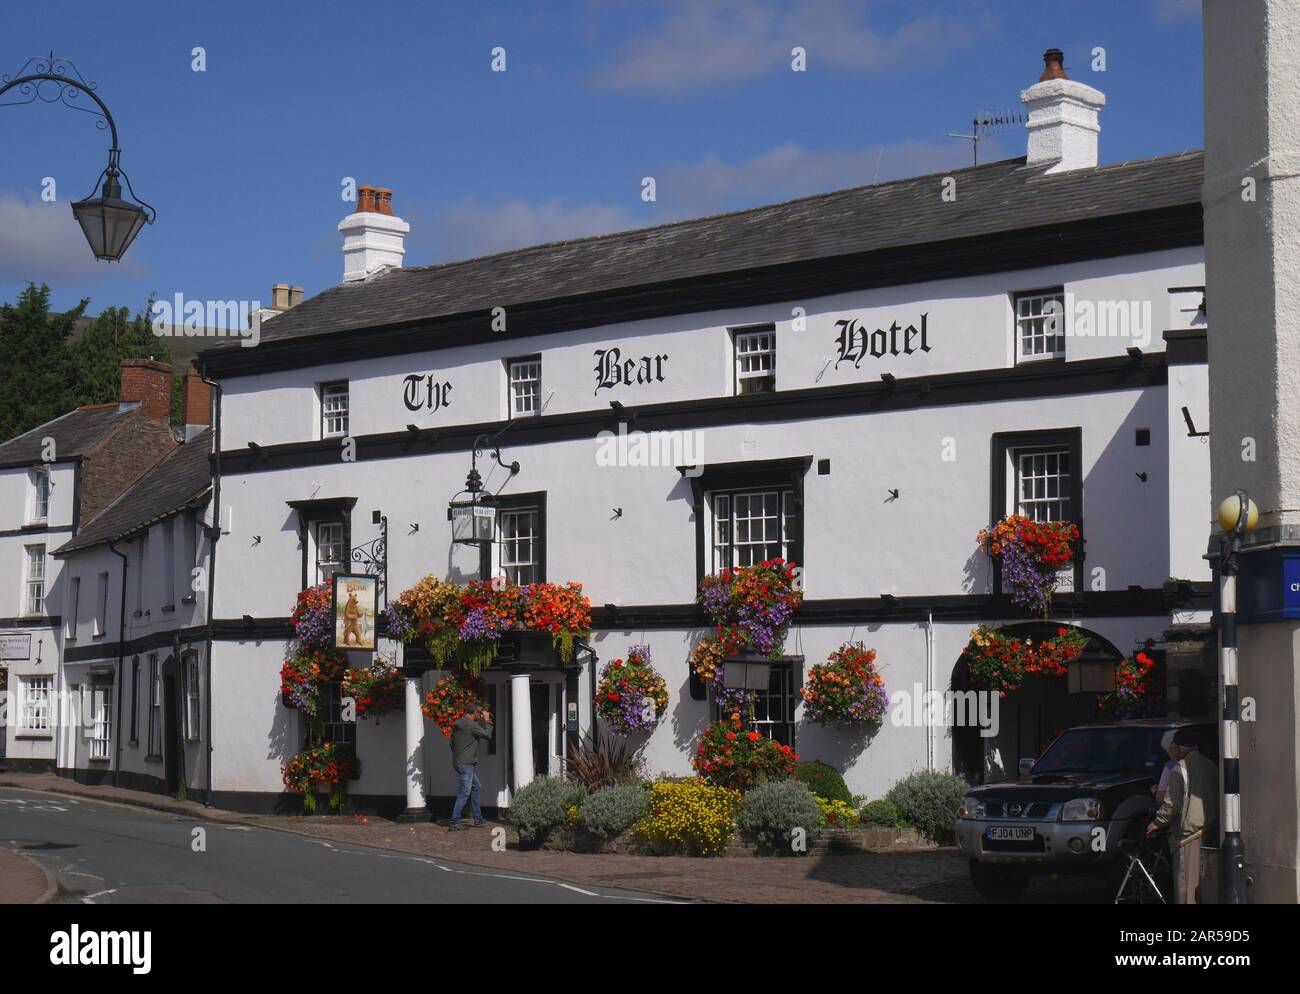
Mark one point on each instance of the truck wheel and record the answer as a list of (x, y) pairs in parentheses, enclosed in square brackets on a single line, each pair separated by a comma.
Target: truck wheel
[(998, 883)]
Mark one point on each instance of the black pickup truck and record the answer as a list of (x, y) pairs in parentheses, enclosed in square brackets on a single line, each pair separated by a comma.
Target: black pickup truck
[(1068, 810)]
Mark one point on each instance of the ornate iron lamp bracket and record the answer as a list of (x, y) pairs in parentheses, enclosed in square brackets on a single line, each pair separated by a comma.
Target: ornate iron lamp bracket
[(372, 558)]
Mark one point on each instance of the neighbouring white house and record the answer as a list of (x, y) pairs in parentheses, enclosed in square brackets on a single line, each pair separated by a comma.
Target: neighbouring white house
[(860, 381), (55, 479)]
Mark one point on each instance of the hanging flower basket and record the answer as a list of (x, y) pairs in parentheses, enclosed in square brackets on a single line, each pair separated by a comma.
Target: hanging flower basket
[(455, 695), (846, 689), (465, 625), (1134, 678), (751, 607), (302, 674), (631, 696), (327, 766), (1000, 662), (728, 755), (377, 690), (1031, 554)]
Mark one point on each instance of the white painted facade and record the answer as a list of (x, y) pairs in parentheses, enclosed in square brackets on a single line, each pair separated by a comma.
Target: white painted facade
[(29, 633), (116, 722), (857, 543)]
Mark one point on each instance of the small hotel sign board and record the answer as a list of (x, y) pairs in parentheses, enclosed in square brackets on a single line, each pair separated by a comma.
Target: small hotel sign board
[(355, 607), (16, 646), (1269, 585)]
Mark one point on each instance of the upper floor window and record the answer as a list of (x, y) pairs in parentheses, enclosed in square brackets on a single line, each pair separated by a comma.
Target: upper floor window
[(39, 505), (525, 387), (334, 409), (74, 607), (101, 605), (141, 565), (755, 361), (518, 532), (35, 579), (169, 561), (750, 527), (331, 549), (1043, 484), (1040, 324)]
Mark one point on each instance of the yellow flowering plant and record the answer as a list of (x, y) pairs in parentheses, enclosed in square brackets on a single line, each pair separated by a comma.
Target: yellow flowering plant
[(691, 816)]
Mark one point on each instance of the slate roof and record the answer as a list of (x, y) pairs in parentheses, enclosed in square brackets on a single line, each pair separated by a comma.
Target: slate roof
[(992, 198), (75, 434), (174, 482)]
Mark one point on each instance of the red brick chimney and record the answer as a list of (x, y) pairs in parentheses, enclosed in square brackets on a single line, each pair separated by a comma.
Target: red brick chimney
[(149, 384), (196, 400)]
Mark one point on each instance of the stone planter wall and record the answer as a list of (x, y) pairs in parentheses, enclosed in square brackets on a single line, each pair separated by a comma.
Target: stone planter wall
[(830, 841)]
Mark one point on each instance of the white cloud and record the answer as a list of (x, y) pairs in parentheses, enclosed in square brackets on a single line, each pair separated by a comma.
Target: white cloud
[(42, 243), (712, 41), (711, 186)]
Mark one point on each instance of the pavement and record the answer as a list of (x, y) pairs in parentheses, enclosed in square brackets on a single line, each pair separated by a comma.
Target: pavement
[(925, 877)]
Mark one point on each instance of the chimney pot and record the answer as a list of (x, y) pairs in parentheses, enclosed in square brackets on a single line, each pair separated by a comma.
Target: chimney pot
[(148, 383), (373, 238), (1053, 65), (1062, 119)]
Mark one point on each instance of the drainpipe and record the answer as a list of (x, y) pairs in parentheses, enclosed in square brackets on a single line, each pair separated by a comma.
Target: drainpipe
[(121, 662), (929, 680), (214, 534)]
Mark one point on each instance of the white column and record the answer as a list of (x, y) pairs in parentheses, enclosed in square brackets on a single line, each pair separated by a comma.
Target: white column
[(521, 730), (416, 810)]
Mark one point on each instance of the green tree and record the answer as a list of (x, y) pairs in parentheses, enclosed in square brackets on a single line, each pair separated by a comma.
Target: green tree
[(36, 374), (97, 355)]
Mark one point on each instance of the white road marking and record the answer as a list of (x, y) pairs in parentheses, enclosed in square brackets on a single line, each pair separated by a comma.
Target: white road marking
[(90, 898)]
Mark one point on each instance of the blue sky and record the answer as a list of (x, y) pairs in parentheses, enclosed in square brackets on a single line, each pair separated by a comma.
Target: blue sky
[(244, 161)]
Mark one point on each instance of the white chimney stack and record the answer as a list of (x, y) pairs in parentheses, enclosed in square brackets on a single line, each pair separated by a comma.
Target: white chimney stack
[(1062, 121), (373, 239)]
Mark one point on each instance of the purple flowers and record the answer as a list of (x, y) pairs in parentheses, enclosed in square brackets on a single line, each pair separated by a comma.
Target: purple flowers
[(479, 625)]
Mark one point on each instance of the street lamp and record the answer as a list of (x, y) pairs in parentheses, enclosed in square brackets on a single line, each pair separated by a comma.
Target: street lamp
[(1237, 515), (109, 222), (473, 521)]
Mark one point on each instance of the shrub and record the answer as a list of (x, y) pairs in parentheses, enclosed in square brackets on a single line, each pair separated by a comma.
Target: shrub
[(612, 811), (690, 817), (824, 781), (883, 814), (837, 814), (542, 806), (929, 801), (772, 811), (610, 764), (730, 756)]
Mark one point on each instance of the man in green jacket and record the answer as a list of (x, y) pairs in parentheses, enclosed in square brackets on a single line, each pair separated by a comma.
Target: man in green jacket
[(466, 734)]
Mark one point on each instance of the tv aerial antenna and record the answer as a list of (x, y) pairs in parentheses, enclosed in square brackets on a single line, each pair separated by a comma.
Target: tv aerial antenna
[(985, 124)]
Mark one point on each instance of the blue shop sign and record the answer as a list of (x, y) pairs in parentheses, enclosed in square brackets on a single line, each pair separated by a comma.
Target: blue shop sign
[(1268, 587)]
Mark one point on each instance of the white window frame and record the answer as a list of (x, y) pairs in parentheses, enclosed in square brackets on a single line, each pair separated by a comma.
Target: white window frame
[(34, 578), (1030, 315), (723, 525), (142, 564), (324, 566), (524, 377), (1043, 464), (754, 359), (35, 703), (335, 407), (101, 605), (101, 732), (190, 668), (38, 511), (189, 550), (515, 568), (74, 608), (155, 708)]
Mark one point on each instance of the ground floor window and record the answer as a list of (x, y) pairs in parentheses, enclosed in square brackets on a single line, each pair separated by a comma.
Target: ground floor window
[(774, 707), (155, 708), (330, 725), (190, 670), (101, 731), (35, 698)]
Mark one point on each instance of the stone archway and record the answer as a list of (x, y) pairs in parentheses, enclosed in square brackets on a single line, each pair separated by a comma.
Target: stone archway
[(1028, 718)]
